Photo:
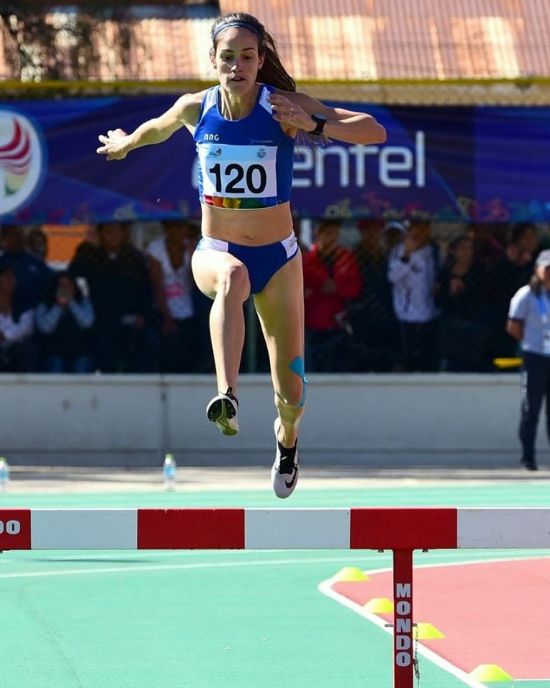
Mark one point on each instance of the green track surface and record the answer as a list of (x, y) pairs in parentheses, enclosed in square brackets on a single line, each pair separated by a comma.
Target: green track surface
[(211, 619)]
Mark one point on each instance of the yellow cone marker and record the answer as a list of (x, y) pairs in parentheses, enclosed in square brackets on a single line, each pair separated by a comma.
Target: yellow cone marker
[(350, 574), (490, 673), (426, 631), (503, 363), (379, 605)]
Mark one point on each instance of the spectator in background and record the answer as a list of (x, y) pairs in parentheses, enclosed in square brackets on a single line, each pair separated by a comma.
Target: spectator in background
[(17, 350), (65, 320), (412, 270), (394, 233), (463, 336), (513, 270), (515, 267), (204, 357), (170, 271), (88, 247), (37, 244), (118, 281), (331, 278), (524, 245), (487, 249), (371, 314), (529, 323), (32, 275), (297, 226)]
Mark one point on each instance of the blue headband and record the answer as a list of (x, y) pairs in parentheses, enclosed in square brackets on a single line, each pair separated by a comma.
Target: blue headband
[(238, 24)]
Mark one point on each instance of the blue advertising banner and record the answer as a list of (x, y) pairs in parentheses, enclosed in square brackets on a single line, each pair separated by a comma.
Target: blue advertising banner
[(456, 163)]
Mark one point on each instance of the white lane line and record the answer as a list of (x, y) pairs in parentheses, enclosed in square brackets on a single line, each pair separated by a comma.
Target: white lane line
[(325, 587), (177, 567), (206, 565), (53, 556)]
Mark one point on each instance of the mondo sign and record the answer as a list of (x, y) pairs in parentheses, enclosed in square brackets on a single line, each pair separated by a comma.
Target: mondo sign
[(21, 160)]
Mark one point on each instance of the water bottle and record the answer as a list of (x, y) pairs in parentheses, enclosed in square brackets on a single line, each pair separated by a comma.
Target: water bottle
[(4, 474), (169, 472)]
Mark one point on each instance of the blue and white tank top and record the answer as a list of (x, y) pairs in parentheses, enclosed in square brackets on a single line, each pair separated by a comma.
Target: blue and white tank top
[(244, 163)]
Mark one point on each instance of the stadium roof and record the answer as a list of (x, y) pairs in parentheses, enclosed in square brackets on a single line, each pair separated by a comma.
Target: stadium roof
[(375, 50), (415, 39)]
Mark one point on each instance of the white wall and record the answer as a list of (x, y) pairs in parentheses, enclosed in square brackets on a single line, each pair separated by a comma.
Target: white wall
[(131, 420)]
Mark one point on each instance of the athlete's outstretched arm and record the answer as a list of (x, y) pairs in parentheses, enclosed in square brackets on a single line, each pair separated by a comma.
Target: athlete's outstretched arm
[(295, 109), (184, 113)]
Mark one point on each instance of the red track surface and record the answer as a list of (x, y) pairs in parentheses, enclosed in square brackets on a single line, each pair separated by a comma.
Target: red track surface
[(495, 613)]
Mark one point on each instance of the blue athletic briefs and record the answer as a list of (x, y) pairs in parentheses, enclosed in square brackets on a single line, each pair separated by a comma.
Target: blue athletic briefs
[(262, 262)]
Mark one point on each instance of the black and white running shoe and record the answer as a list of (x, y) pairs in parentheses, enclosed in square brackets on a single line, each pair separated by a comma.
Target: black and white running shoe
[(284, 474), (222, 410)]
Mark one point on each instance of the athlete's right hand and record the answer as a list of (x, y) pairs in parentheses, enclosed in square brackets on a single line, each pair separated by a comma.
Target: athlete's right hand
[(116, 144)]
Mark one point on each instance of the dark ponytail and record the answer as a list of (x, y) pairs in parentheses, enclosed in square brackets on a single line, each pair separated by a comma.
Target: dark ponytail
[(272, 72)]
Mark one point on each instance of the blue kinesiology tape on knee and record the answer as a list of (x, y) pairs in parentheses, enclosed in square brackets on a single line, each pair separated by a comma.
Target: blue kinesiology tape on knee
[(297, 366)]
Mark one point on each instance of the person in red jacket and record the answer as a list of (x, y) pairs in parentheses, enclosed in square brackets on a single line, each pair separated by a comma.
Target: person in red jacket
[(331, 278)]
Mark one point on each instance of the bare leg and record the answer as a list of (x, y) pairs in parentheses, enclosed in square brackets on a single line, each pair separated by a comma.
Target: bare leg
[(225, 279), (280, 308), (227, 333)]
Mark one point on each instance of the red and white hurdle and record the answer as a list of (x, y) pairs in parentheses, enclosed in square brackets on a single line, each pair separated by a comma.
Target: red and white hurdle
[(401, 530)]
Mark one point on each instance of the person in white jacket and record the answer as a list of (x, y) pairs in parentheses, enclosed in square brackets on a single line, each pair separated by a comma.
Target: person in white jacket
[(529, 324), (412, 271)]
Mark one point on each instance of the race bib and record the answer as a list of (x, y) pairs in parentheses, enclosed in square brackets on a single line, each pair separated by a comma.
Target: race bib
[(238, 171)]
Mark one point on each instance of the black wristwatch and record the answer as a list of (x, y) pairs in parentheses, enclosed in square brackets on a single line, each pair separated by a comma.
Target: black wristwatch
[(320, 121)]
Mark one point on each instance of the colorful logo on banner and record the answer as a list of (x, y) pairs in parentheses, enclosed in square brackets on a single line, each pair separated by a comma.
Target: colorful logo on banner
[(21, 160)]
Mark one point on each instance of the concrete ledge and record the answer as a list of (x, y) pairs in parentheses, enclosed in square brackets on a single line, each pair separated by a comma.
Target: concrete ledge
[(124, 420)]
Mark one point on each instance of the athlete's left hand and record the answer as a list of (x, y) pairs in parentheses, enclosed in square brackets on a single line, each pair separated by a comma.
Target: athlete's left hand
[(284, 110)]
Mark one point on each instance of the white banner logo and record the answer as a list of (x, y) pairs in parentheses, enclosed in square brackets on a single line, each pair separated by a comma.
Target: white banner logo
[(20, 160)]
